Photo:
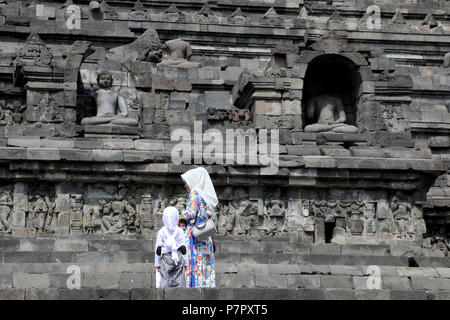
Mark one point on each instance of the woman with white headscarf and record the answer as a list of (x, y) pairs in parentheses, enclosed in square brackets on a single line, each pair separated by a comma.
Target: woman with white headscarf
[(199, 207), (170, 251)]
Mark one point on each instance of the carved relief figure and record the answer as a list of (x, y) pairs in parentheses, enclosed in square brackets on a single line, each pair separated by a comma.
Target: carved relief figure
[(225, 220), (328, 115), (41, 214), (121, 218), (245, 213), (108, 101), (93, 216), (11, 112), (5, 212)]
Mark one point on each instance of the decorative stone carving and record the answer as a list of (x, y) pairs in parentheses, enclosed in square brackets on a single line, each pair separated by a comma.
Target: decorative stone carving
[(430, 21), (225, 220), (107, 101), (92, 217), (34, 52), (275, 208), (6, 204), (398, 17), (147, 47), (138, 12), (219, 114), (172, 14), (328, 115), (237, 17), (206, 15), (241, 115), (447, 60), (121, 218), (147, 217), (179, 53), (245, 213), (272, 18), (41, 214), (108, 11), (43, 107), (11, 112), (76, 213)]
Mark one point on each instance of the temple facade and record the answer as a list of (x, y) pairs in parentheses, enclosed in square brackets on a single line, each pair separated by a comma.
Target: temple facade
[(318, 121)]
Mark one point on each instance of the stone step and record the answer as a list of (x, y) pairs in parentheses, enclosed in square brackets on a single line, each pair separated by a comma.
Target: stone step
[(222, 246), (220, 294), (233, 268), (130, 280), (128, 276), (262, 258)]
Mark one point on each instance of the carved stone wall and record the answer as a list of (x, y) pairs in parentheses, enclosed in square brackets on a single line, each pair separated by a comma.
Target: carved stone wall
[(226, 66)]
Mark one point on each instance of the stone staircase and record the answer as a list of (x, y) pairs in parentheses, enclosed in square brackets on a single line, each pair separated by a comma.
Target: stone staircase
[(118, 268)]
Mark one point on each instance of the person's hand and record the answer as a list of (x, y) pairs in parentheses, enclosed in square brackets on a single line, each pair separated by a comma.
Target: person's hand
[(158, 269)]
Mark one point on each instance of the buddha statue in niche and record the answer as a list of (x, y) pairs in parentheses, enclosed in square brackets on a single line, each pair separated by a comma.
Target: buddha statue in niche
[(328, 115), (179, 53), (108, 101)]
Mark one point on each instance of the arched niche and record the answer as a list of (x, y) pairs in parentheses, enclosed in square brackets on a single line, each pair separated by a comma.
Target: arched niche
[(334, 75)]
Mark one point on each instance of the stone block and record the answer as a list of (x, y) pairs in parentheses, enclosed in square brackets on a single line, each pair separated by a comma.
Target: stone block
[(291, 107), (218, 99), (135, 280), (235, 280), (100, 280), (396, 283), (149, 145), (162, 83), (182, 293), (42, 154), (373, 295), (27, 142), (75, 155), (179, 117), (336, 281), (303, 150), (70, 245), (147, 294), (138, 156), (118, 144), (425, 283), (107, 155), (12, 153), (182, 85), (340, 294), (408, 295), (155, 131), (6, 281), (24, 280), (57, 143), (303, 281), (148, 115), (12, 294), (219, 293), (111, 294), (326, 249), (36, 245)]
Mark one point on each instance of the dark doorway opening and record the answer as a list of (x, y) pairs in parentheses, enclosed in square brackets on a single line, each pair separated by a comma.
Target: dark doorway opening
[(329, 228)]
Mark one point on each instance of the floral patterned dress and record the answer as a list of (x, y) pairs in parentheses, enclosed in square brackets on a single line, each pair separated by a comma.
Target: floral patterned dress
[(201, 271)]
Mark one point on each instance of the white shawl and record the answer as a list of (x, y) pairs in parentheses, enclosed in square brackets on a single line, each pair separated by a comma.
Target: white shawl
[(198, 179), (171, 233)]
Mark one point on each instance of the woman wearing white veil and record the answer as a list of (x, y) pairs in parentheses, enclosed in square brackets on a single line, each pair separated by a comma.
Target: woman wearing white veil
[(199, 207)]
